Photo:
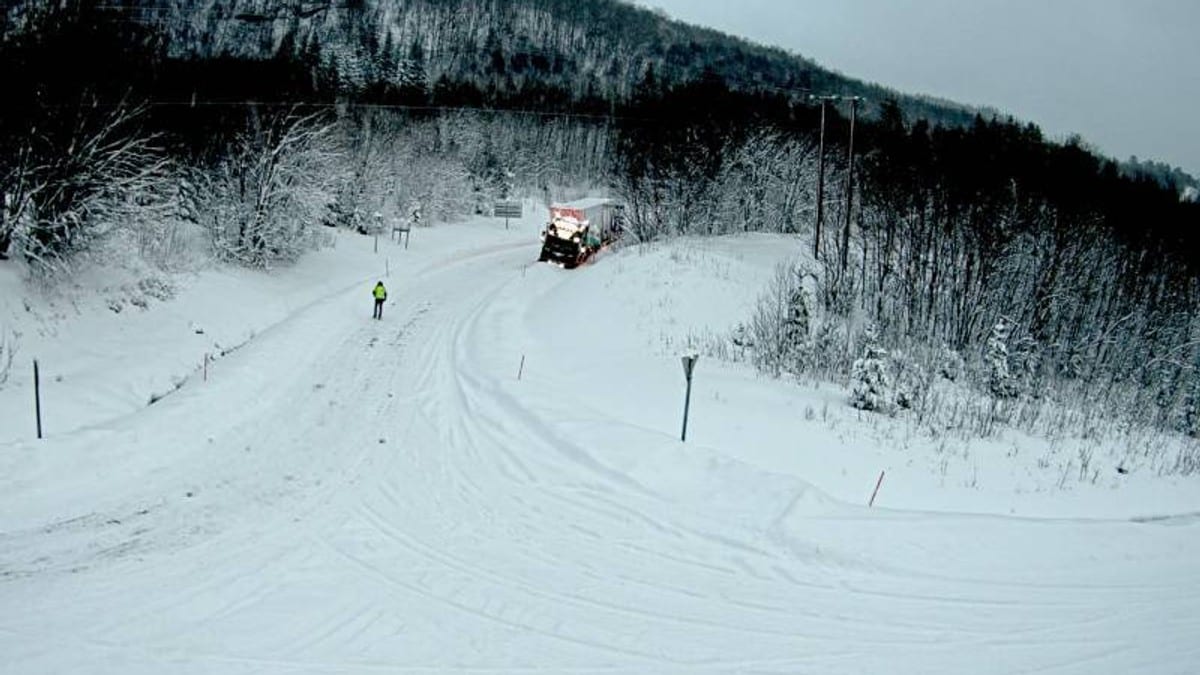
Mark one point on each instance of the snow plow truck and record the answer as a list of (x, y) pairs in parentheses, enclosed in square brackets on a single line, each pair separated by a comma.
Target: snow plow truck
[(578, 229)]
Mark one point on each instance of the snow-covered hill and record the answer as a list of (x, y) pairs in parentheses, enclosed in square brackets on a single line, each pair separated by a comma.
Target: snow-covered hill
[(491, 478)]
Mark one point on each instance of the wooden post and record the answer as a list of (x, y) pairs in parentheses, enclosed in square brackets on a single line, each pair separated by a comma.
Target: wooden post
[(521, 369), (37, 398), (206, 366)]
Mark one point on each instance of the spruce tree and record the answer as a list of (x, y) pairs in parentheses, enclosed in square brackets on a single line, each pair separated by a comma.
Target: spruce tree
[(1000, 381)]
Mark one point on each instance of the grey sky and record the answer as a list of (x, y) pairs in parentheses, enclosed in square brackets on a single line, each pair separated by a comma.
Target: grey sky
[(1124, 74)]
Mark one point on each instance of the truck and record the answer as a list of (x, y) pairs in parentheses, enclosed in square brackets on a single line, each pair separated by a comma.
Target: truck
[(577, 230)]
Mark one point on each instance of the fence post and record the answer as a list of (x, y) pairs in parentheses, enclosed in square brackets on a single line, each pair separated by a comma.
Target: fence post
[(689, 364), (37, 397)]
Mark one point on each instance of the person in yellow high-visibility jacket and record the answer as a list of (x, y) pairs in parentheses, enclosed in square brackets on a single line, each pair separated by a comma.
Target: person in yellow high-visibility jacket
[(380, 294)]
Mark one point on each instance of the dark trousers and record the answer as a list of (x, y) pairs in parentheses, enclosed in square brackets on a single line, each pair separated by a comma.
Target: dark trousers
[(378, 309)]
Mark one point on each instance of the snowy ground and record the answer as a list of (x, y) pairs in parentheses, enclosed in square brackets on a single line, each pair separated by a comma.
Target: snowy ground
[(491, 480)]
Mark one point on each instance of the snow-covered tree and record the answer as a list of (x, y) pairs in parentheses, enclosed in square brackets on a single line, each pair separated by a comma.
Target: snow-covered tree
[(999, 378), (84, 174), (369, 146), (871, 384), (764, 184), (272, 188), (741, 339), (796, 327)]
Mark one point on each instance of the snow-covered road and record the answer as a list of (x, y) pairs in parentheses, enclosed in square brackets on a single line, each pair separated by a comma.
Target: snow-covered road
[(353, 496)]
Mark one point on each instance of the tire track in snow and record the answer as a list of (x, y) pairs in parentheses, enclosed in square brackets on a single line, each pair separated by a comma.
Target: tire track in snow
[(237, 557), (476, 391), (477, 507), (473, 430)]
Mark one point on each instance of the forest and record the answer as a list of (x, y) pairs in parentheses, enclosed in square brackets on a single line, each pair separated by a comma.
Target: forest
[(948, 244)]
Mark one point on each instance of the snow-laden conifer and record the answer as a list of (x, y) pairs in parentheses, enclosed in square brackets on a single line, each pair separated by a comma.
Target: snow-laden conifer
[(999, 378), (872, 386)]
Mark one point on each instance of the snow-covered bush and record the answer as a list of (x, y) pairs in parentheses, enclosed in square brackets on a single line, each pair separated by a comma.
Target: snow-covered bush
[(158, 288), (164, 242), (780, 335), (779, 323), (830, 356), (741, 340), (1189, 410), (8, 349), (1025, 363), (950, 363), (912, 380)]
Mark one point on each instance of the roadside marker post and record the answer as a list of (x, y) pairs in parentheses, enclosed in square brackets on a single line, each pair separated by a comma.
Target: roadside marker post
[(37, 398), (689, 364)]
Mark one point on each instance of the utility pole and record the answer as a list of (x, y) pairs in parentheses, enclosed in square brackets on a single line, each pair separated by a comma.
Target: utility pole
[(825, 99), (849, 184), (820, 185)]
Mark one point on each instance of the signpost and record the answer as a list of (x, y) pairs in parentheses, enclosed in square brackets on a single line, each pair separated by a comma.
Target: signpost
[(689, 364), (507, 209), (402, 231)]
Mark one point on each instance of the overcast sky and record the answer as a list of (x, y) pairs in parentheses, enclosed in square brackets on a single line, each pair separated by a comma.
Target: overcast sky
[(1124, 74)]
